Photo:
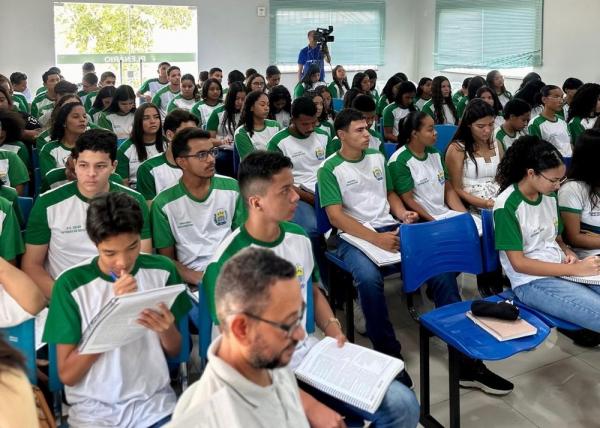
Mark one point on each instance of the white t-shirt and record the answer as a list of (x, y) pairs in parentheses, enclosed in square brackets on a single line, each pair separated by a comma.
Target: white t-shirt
[(129, 161), (246, 143), (574, 197), (555, 133), (203, 111), (120, 124), (505, 139), (11, 313)]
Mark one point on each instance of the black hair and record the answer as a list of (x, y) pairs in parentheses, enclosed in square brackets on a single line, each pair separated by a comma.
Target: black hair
[(163, 63), (345, 117), (189, 76), (364, 103), (54, 70), (272, 70), (112, 214), (350, 95), (260, 166), (311, 95), (48, 73), (529, 77), (584, 164), (401, 76), (250, 72), (527, 152), (497, 104), (571, 83), (545, 91), (327, 109), (358, 77), (466, 81), (96, 140), (531, 92), (203, 76), (6, 95), (422, 82), (10, 358), (214, 70), (489, 79), (516, 107), (252, 78), (137, 132), (277, 93), (475, 110), (228, 122), (206, 87), (312, 69), (341, 84), (176, 117), (405, 88), (59, 124), (63, 87), (172, 68), (372, 77), (235, 76), (438, 100), (13, 124), (104, 92), (584, 101), (123, 93), (247, 116), (106, 74), (388, 89), (90, 78), (61, 101), (304, 106), (413, 121), (475, 83), (88, 66), (180, 146), (17, 77)]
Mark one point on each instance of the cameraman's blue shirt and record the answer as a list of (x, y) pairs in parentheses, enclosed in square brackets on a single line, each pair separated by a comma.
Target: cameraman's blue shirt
[(310, 56)]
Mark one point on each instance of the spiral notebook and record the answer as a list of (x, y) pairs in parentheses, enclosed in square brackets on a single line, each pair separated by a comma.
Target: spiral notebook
[(356, 375), (588, 280)]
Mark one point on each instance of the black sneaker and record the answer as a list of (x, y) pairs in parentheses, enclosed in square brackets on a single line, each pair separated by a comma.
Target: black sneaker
[(586, 338), (477, 375)]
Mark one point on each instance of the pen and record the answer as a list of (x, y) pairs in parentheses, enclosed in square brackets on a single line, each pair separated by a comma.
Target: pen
[(114, 276)]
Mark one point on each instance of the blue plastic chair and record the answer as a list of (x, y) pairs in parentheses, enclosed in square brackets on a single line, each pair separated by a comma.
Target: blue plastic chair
[(37, 182), (444, 246), (491, 263), (445, 133), (22, 338), (236, 160), (204, 323), (390, 148), (25, 204), (567, 161), (337, 104)]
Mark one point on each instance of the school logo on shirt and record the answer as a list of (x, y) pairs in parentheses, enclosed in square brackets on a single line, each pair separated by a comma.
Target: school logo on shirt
[(320, 153), (377, 173), (220, 217), (441, 177), (300, 273)]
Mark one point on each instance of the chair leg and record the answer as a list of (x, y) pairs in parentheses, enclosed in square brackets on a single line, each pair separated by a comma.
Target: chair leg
[(453, 365), (349, 303), (410, 305), (425, 419), (183, 373)]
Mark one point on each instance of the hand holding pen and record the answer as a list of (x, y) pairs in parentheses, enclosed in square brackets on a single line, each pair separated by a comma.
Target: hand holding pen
[(124, 283)]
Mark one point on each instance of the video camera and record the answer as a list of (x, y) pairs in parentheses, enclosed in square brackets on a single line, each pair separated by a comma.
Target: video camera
[(322, 36)]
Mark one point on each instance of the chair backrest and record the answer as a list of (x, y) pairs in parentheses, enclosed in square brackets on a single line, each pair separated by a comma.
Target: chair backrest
[(488, 242), (35, 158), (183, 325), (436, 247), (22, 338), (204, 322), (445, 133), (323, 224), (236, 160), (337, 104), (390, 148), (25, 204), (567, 161)]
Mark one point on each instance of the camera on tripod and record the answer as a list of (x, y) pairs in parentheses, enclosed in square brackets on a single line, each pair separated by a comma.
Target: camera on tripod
[(323, 36)]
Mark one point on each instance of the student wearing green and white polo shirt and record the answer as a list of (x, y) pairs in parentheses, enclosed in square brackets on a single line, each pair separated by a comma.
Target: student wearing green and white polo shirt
[(45, 100), (107, 79), (517, 114), (55, 235), (547, 125), (20, 102), (584, 110), (188, 96), (323, 123), (373, 92), (166, 94), (145, 142), (255, 130), (462, 92), (211, 96), (58, 176), (151, 86), (11, 240), (11, 129), (402, 105), (441, 107), (13, 171), (423, 92), (191, 218), (528, 234), (89, 87), (128, 386), (160, 172), (118, 117)]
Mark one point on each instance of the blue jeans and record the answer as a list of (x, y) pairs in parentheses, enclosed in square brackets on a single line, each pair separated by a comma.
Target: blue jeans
[(570, 301), (161, 423), (306, 218), (399, 408), (368, 277)]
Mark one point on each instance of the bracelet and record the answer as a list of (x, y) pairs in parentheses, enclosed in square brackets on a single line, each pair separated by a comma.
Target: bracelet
[(330, 321)]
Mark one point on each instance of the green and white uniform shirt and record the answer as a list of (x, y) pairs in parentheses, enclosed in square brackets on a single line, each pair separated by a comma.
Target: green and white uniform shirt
[(360, 186), (53, 155), (13, 171), (375, 143), (392, 115), (420, 102), (129, 162), (425, 176), (574, 197), (246, 143), (381, 105), (555, 132), (128, 386), (120, 124), (283, 118), (504, 97), (162, 99), (527, 226), (327, 127), (180, 102), (89, 101), (457, 97), (203, 111), (152, 85), (577, 125), (307, 154), (194, 226), (58, 220), (336, 91), (215, 122), (20, 102), (20, 149), (448, 115), (505, 138), (156, 174), (41, 107)]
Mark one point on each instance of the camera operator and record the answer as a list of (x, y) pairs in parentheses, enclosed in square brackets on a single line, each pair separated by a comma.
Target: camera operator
[(314, 53)]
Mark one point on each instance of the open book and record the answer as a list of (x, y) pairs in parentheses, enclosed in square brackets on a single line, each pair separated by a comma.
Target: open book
[(377, 255), (503, 329), (589, 280), (116, 323), (356, 375)]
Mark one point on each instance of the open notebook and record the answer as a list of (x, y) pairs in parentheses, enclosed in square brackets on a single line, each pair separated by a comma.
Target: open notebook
[(377, 255), (356, 375), (503, 329), (589, 280)]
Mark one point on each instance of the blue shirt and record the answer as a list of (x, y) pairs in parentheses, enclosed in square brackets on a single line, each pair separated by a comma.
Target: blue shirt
[(308, 56)]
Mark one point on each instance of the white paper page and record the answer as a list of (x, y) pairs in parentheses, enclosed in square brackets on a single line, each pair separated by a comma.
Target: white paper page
[(378, 255), (40, 323)]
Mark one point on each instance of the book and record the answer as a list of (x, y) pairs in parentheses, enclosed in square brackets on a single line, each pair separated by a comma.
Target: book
[(116, 323), (356, 375), (504, 330), (588, 280), (377, 255)]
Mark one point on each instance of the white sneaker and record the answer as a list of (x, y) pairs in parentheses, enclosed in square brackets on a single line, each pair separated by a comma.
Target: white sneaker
[(360, 324)]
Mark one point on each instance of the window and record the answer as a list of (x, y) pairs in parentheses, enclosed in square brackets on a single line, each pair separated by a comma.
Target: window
[(488, 34), (358, 29)]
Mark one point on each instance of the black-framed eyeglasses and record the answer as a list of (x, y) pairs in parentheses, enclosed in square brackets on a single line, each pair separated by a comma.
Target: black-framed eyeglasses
[(204, 154), (288, 329), (555, 181)]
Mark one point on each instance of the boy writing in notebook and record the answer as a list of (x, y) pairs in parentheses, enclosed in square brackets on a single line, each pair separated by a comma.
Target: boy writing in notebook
[(128, 386)]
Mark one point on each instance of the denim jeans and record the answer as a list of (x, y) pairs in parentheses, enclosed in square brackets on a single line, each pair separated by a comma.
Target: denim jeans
[(369, 279), (306, 218), (399, 408), (570, 301)]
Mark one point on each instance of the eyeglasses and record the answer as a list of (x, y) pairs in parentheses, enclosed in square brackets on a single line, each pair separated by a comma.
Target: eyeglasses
[(204, 154), (554, 180), (288, 329)]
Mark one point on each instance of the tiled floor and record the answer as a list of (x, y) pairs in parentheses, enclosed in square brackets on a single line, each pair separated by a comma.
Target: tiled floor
[(556, 385)]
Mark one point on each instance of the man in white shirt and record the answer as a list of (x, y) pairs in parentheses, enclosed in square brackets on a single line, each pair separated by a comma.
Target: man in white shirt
[(246, 382)]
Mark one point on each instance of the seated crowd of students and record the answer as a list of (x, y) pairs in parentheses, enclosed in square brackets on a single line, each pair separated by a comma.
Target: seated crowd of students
[(119, 174)]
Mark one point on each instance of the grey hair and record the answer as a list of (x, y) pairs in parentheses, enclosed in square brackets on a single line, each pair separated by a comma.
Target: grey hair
[(245, 280)]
